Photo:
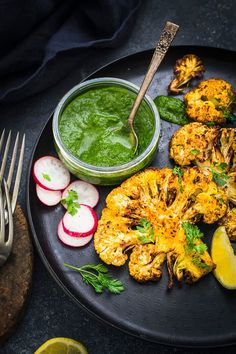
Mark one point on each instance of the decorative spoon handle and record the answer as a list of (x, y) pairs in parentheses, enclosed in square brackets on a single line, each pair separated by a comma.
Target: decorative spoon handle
[(167, 35)]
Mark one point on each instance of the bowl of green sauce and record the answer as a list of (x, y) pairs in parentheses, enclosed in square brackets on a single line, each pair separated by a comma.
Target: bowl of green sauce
[(91, 135)]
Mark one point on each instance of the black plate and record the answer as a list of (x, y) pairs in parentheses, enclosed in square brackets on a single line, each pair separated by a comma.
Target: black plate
[(199, 315)]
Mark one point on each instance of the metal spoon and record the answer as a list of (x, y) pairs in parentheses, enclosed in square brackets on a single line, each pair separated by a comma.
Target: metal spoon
[(167, 35)]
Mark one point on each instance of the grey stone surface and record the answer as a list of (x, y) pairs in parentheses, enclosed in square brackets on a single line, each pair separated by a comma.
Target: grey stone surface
[(50, 312)]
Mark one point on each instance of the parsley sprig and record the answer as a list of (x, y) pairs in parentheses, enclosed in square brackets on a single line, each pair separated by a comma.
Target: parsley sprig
[(71, 202), (193, 234), (97, 277), (220, 178), (146, 229), (178, 171)]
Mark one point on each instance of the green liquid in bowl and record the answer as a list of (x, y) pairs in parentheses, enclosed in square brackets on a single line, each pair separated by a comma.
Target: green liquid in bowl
[(93, 126)]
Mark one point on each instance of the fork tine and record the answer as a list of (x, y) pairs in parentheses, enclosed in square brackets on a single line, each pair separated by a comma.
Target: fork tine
[(13, 159), (18, 176), (4, 159), (2, 138), (2, 219), (10, 217)]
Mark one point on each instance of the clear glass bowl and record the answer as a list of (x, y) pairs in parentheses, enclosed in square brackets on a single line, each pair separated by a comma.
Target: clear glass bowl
[(104, 175)]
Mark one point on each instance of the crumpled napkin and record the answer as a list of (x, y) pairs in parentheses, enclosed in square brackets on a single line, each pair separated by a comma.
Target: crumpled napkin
[(34, 32)]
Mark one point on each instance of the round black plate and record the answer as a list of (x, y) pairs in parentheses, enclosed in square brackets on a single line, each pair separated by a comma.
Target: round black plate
[(199, 315)]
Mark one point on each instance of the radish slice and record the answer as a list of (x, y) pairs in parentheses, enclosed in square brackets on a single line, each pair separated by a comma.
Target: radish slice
[(47, 197), (51, 174), (83, 223), (70, 240), (87, 193)]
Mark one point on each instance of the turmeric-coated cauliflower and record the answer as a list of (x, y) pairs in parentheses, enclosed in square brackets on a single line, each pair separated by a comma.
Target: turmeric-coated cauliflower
[(192, 142), (185, 69), (229, 222), (213, 100), (145, 214)]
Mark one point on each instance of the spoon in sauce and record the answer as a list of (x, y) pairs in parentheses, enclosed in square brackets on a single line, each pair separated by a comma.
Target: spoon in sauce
[(167, 35)]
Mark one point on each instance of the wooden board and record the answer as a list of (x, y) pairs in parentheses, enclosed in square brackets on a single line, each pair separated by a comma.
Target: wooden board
[(15, 277)]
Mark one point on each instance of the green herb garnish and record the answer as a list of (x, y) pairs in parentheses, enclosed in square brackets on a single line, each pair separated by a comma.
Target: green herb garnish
[(221, 201), (198, 262), (193, 234), (171, 109), (97, 277), (210, 124), (195, 151), (178, 171), (222, 166), (220, 178), (46, 176), (146, 228), (71, 202)]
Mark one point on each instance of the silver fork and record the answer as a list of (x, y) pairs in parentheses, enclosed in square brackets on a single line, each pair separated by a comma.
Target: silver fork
[(7, 199)]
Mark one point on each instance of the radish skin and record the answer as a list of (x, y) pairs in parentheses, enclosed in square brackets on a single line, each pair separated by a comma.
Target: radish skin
[(70, 240), (82, 224), (49, 198), (50, 173)]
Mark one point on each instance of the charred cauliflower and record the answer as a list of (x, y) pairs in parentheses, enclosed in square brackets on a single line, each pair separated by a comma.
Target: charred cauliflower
[(145, 216), (229, 222), (192, 142), (185, 69), (208, 147), (212, 100)]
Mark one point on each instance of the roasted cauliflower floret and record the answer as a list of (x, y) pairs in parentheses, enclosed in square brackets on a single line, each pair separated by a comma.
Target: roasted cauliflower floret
[(145, 263), (229, 222), (185, 69), (189, 259), (230, 187), (212, 100), (144, 216), (192, 142), (114, 235)]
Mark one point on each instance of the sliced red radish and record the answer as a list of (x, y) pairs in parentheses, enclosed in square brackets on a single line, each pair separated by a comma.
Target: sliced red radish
[(83, 223), (47, 197), (70, 240), (87, 193), (50, 173)]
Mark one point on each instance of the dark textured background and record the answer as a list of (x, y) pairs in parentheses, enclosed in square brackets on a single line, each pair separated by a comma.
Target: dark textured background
[(50, 312)]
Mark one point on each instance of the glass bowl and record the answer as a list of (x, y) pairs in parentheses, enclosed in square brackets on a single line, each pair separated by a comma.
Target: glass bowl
[(104, 175)]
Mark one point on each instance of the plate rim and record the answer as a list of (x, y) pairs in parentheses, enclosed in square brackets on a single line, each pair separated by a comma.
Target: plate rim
[(165, 339)]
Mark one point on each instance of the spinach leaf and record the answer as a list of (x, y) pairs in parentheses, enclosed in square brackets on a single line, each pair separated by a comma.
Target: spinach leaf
[(171, 109)]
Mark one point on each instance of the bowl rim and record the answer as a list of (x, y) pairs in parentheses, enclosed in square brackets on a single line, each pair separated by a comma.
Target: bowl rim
[(103, 169)]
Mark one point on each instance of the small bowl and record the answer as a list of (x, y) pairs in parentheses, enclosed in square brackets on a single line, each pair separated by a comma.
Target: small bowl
[(104, 175)]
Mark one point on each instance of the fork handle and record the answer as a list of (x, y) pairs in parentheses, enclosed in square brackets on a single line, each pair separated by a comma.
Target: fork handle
[(167, 35)]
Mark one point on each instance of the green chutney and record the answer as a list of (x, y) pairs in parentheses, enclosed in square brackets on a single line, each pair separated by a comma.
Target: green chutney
[(93, 127)]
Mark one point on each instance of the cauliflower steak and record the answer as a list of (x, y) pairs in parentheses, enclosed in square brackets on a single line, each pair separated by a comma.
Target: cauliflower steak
[(152, 215)]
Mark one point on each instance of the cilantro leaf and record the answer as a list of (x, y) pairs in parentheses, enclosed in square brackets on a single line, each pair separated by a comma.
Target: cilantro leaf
[(195, 151), (71, 202), (178, 171), (146, 229), (198, 262), (46, 176), (220, 178), (193, 235)]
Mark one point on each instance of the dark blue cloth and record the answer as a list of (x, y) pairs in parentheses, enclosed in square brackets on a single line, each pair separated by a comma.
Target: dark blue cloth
[(34, 32)]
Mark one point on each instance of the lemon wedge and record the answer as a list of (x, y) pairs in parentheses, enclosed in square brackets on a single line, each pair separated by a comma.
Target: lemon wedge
[(223, 256), (61, 345)]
